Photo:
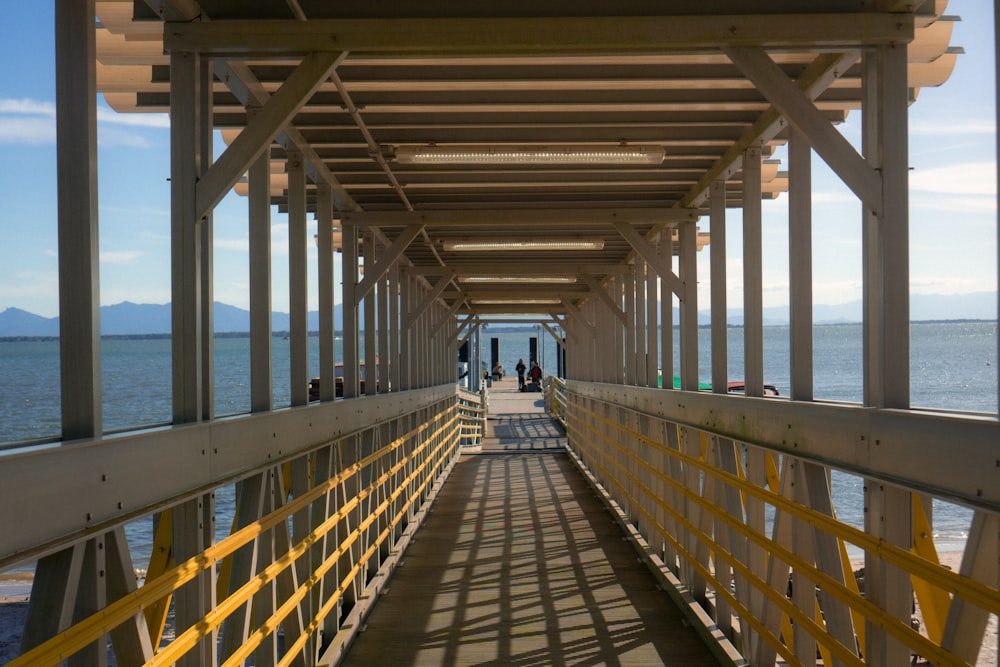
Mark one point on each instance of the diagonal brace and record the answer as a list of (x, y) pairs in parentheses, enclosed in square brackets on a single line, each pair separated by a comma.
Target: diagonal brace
[(448, 316), (652, 257), (578, 316), (382, 265), (603, 295), (262, 129), (439, 286), (800, 111)]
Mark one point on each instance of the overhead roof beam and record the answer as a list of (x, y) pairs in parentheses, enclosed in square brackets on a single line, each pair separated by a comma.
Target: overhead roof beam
[(520, 268), (263, 129), (436, 291), (837, 151), (601, 293), (652, 257), (385, 261), (538, 35), (515, 217), (250, 92), (818, 76)]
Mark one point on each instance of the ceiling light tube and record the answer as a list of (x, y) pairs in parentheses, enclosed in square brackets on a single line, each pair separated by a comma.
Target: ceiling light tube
[(614, 154), (566, 280), (516, 302), (459, 245)]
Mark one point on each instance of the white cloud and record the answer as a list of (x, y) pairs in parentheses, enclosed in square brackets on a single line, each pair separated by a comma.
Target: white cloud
[(31, 131), (112, 117), (120, 256), (27, 107), (34, 291), (27, 121), (240, 245), (970, 178), (966, 127)]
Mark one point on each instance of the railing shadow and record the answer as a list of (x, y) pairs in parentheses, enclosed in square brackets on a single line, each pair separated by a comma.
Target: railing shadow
[(520, 564)]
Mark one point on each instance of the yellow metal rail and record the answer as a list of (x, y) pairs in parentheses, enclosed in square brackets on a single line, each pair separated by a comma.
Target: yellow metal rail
[(667, 482), (407, 466)]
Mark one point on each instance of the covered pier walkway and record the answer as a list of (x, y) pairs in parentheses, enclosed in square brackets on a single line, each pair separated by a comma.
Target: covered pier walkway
[(521, 563), (445, 168)]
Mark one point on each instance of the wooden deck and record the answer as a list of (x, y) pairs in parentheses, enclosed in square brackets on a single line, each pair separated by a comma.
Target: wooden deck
[(519, 563)]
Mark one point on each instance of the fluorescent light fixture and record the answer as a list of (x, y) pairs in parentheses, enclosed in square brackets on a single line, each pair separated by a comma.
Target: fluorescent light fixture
[(518, 279), (528, 244), (516, 302), (614, 154)]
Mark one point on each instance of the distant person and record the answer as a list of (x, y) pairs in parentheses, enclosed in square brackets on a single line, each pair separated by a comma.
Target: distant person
[(520, 368), (498, 371), (535, 375)]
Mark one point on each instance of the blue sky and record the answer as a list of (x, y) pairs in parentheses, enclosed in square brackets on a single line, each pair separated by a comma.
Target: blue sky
[(953, 245)]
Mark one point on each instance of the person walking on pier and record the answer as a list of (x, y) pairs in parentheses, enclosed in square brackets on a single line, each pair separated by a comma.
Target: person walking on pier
[(520, 368)]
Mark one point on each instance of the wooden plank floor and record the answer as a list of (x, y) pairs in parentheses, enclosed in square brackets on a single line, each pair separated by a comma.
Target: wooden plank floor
[(520, 564)]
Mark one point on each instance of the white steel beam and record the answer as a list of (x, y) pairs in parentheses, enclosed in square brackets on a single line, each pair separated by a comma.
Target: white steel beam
[(688, 265), (261, 395), (185, 238), (816, 78), (801, 113), (349, 264), (242, 83), (189, 460), (800, 265), (298, 283), (537, 35), (753, 268), (598, 290), (900, 446), (326, 292), (386, 259), (573, 217), (79, 262), (717, 250), (263, 128), (206, 133), (435, 292), (649, 253)]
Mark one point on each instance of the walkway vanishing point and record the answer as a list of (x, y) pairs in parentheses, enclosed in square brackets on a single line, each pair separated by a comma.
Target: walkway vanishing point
[(465, 165), (520, 563)]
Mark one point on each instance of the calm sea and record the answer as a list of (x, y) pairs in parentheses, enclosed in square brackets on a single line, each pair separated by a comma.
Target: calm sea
[(953, 367)]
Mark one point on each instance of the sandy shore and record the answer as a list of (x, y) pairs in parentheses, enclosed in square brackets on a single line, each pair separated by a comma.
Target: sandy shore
[(988, 652), (14, 591)]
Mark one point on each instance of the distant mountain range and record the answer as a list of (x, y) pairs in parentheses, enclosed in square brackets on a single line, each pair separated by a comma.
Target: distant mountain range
[(134, 319)]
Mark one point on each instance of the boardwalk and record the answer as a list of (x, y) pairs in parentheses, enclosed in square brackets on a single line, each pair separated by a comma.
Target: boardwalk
[(520, 564)]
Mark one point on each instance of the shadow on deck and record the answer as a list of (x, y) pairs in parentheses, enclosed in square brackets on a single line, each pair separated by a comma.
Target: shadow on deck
[(519, 563)]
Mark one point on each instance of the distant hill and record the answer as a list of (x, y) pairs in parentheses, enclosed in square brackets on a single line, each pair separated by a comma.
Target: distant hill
[(126, 318), (973, 306), (131, 319), (17, 322)]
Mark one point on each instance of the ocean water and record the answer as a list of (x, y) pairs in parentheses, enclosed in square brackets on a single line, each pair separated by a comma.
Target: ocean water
[(953, 367)]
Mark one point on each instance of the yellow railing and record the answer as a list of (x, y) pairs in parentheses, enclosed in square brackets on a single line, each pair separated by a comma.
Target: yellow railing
[(375, 491), (698, 501)]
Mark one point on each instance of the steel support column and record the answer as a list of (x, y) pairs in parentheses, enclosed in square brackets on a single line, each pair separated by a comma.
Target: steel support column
[(689, 306), (326, 293), (185, 237), (717, 250), (800, 265), (298, 283), (887, 335), (207, 226), (259, 177), (350, 306), (753, 307), (666, 316)]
